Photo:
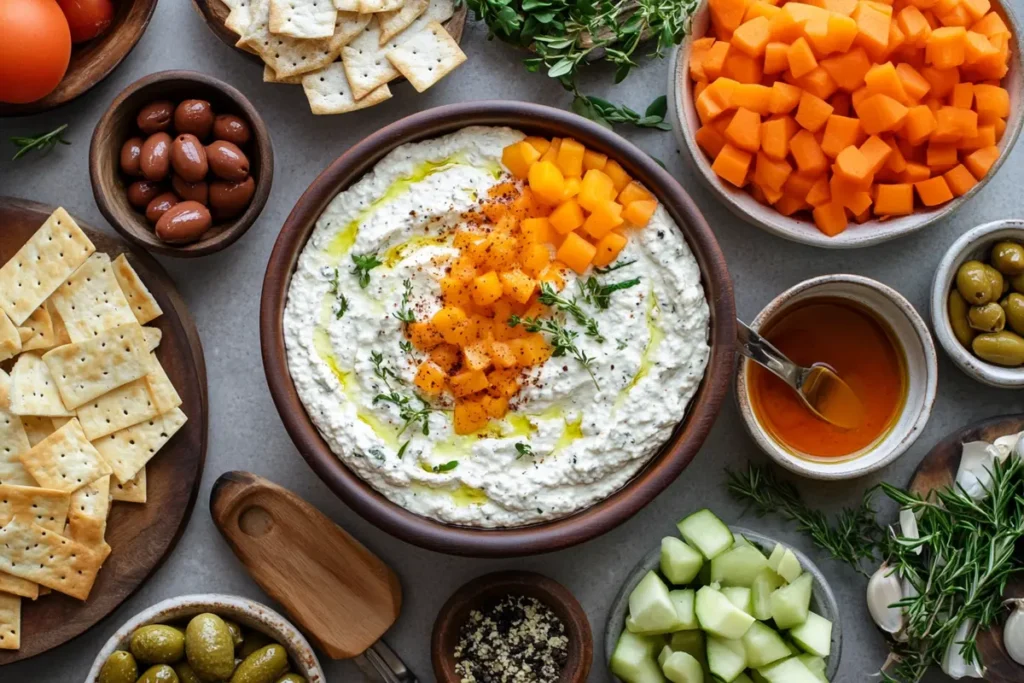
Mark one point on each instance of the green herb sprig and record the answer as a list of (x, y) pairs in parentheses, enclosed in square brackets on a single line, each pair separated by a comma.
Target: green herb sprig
[(446, 467), (407, 411), (600, 295), (39, 143), (606, 113), (563, 340), (523, 450), (615, 266), (363, 265), (340, 300), (549, 297), (405, 314)]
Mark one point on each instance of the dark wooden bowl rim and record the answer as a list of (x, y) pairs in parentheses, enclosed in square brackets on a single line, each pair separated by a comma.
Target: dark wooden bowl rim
[(137, 230), (599, 518), (482, 590)]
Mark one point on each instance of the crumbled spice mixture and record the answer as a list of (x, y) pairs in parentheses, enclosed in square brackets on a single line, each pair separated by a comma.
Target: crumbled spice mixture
[(516, 639)]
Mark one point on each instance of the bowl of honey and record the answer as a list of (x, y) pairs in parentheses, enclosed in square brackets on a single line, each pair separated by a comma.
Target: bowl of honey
[(875, 340)]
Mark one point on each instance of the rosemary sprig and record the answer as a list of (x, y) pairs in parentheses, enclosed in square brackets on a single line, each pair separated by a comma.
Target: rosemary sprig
[(406, 410), (40, 143), (405, 314), (563, 340), (549, 297), (615, 266), (363, 265), (523, 450), (600, 295)]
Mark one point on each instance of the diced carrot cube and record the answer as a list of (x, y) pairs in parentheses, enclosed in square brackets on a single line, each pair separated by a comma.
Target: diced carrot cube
[(895, 199), (807, 153), (732, 164), (608, 248), (745, 130), (960, 180), (813, 112), (570, 157), (567, 217), (980, 161), (785, 97), (854, 166), (776, 58), (915, 173), (848, 69), (517, 285), (576, 252), (880, 113), (775, 136), (941, 155), (830, 218), (618, 175), (801, 58), (547, 182), (519, 157), (933, 191), (946, 47), (605, 217), (639, 212)]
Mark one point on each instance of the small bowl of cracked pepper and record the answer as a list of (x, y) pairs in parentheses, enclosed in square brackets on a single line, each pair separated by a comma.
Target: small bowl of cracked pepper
[(512, 627)]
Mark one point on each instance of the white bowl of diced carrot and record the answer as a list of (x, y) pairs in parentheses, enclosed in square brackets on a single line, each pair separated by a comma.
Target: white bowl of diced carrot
[(845, 123)]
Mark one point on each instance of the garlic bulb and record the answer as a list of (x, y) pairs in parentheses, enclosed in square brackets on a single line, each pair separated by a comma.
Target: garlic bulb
[(953, 663), (884, 589), (1013, 632)]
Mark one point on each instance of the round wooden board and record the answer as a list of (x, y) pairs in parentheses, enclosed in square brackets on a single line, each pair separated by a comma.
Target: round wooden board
[(937, 470), (141, 536), (215, 12), (93, 60)]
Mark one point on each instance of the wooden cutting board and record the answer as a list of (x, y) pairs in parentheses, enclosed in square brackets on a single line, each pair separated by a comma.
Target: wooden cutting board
[(141, 535), (938, 470)]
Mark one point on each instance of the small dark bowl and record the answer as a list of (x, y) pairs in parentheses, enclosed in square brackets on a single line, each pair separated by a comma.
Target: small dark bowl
[(484, 589), (118, 124)]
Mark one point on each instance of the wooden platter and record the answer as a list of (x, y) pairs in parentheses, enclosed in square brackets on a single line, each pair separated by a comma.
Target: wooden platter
[(92, 61), (141, 535), (937, 470)]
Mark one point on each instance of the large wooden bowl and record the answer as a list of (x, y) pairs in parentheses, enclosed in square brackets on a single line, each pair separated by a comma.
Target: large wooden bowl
[(93, 60), (677, 453)]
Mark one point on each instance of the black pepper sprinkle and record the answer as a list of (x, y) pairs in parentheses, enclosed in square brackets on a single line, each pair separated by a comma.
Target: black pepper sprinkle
[(516, 639)]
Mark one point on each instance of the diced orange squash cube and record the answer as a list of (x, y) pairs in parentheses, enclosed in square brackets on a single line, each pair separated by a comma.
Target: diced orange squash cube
[(452, 324), (518, 158), (708, 105), (978, 48), (840, 133), (605, 217), (776, 58), (466, 382), (553, 275), (639, 212), (567, 217), (732, 164), (980, 161), (880, 113), (726, 15), (698, 49), (818, 83), (754, 97), (841, 104), (854, 166), (991, 25), (445, 356), (962, 96), (499, 251), (844, 7), (742, 68), (804, 12), (423, 335), (882, 78), (920, 124), (933, 191), (464, 269), (632, 193), (455, 292), (915, 173), (915, 27), (752, 36), (539, 144), (788, 205), (536, 230), (872, 27), (570, 158), (848, 69), (976, 9), (775, 136), (534, 258), (914, 84), (807, 153), (895, 199), (784, 28), (830, 218), (876, 151), (608, 248), (842, 32), (525, 205), (858, 203), (799, 185), (957, 16), (953, 124), (986, 137), (486, 289), (530, 350), (785, 97), (946, 47), (801, 58), (960, 180), (942, 80), (551, 153), (547, 182), (518, 286), (770, 173), (941, 156), (992, 101), (618, 175), (813, 112), (576, 252), (709, 140), (596, 187), (572, 188), (760, 8), (501, 354), (469, 417), (820, 192), (476, 356), (714, 60), (594, 160), (744, 131), (1000, 127)]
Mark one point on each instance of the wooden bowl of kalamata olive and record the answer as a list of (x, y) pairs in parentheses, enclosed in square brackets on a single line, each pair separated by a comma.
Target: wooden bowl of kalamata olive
[(181, 164)]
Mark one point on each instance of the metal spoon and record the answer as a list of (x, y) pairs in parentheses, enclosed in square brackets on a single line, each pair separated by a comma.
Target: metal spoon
[(821, 389)]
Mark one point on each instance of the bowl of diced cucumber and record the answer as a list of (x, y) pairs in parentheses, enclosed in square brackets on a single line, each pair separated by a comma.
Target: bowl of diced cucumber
[(723, 604)]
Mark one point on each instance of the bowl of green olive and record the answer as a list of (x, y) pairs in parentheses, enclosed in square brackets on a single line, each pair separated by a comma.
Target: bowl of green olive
[(197, 638), (978, 303)]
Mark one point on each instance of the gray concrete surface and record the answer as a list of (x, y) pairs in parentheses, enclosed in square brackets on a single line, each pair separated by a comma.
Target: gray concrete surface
[(245, 432)]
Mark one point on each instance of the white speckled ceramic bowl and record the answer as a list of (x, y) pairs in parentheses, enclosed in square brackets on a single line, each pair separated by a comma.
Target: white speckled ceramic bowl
[(915, 342), (243, 611), (685, 123), (823, 600), (973, 244)]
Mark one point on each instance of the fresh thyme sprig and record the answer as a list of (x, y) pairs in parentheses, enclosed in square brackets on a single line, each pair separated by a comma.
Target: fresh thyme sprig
[(615, 266), (340, 305), (363, 265), (405, 314), (446, 467), (40, 143), (563, 340), (406, 410), (600, 295), (549, 297), (523, 450)]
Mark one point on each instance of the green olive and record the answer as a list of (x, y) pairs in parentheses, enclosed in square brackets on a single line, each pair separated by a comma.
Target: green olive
[(973, 283), (987, 318), (1017, 283), (1008, 258), (120, 667), (158, 644), (186, 674), (1000, 348), (996, 281), (265, 665), (210, 648), (958, 318), (253, 641), (291, 678), (1013, 305), (161, 673), (236, 632)]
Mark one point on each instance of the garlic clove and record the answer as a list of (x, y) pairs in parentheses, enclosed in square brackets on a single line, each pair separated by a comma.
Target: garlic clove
[(885, 589), (954, 664), (976, 463), (1013, 632), (1018, 449), (908, 526), (1006, 444)]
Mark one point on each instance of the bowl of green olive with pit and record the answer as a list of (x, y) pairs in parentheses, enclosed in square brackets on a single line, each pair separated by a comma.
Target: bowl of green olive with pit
[(978, 303), (197, 638)]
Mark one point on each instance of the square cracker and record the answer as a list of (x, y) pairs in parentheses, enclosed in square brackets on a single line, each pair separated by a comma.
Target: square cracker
[(165, 396), (46, 507), (91, 301), (90, 532), (153, 335), (37, 428), (10, 622), (60, 331), (92, 500), (347, 28), (270, 76), (346, 5), (13, 439), (113, 411), (49, 257), (130, 449), (286, 55), (238, 18), (373, 6), (328, 92), (141, 301), (10, 338), (33, 390), (40, 323), (366, 66), (132, 491), (427, 57), (393, 23), (65, 460), (303, 18), (18, 586), (86, 370), (47, 558)]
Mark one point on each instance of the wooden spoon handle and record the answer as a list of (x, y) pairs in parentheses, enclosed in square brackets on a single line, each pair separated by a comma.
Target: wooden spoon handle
[(339, 592)]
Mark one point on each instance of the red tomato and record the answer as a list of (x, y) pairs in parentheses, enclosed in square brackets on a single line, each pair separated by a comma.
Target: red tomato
[(87, 18), (34, 49)]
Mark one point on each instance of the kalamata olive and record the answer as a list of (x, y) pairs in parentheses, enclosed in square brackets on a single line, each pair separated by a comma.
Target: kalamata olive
[(194, 117), (131, 154), (141, 193), (192, 192), (156, 156), (184, 222), (188, 158), (159, 206), (228, 198), (227, 161), (155, 117), (231, 128)]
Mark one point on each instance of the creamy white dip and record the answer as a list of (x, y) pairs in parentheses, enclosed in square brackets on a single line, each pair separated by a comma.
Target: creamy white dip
[(587, 439)]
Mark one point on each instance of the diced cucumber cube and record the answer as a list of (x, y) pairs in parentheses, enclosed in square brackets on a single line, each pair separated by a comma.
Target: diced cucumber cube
[(765, 583), (739, 596), (726, 658), (685, 614), (650, 608), (794, 649), (785, 563), (763, 645), (740, 539), (756, 677), (683, 668), (690, 642), (742, 678), (665, 653), (814, 635), (707, 533), (719, 616), (633, 658), (813, 662), (790, 670), (791, 604), (738, 566), (704, 576), (679, 562)]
